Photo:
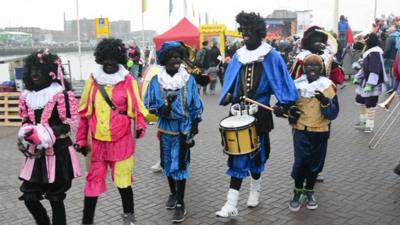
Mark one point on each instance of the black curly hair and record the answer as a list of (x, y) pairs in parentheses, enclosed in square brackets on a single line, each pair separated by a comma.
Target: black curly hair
[(169, 53), (253, 21), (311, 35), (111, 48), (46, 64), (371, 40)]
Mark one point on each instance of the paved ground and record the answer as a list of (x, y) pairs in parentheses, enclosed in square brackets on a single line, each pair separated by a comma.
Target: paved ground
[(360, 187)]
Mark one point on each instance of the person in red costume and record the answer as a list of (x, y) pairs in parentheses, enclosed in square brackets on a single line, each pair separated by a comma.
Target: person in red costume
[(108, 106)]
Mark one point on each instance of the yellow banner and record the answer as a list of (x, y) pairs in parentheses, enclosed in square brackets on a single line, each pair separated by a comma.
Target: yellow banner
[(102, 28)]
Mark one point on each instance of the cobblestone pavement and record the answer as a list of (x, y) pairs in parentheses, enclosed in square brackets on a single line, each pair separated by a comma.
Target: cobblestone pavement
[(359, 187)]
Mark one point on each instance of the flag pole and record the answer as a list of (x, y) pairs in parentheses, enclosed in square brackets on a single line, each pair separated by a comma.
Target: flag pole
[(142, 30), (79, 39), (169, 13)]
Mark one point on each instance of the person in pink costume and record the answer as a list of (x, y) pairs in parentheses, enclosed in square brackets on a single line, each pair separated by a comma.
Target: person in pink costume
[(49, 111), (107, 107)]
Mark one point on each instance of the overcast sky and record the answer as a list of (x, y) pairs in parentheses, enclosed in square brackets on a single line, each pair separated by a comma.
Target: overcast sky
[(48, 14)]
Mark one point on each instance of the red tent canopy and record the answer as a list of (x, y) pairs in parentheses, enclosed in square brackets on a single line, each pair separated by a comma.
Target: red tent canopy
[(183, 31)]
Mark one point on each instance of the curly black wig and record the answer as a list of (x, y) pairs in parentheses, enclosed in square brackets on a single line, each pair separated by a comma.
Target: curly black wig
[(47, 63), (111, 48), (371, 40), (311, 35), (163, 58), (253, 21)]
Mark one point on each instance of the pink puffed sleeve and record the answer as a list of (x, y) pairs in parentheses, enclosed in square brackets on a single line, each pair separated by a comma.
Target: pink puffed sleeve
[(23, 109)]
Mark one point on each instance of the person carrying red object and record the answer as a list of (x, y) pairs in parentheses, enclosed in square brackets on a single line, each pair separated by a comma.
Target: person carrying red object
[(49, 112)]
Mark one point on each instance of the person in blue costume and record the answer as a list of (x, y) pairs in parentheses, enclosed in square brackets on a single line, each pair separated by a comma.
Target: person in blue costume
[(173, 96), (318, 105), (256, 71)]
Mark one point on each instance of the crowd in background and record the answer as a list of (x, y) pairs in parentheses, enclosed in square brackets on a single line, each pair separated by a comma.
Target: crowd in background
[(349, 52)]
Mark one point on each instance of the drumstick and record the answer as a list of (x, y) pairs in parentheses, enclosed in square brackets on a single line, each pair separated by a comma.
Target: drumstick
[(259, 104)]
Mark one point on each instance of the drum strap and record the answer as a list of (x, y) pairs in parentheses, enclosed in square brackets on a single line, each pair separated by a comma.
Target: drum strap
[(107, 99)]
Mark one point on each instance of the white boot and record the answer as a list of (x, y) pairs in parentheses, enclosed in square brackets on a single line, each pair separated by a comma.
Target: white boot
[(369, 126), (156, 167), (363, 118), (230, 207), (254, 195)]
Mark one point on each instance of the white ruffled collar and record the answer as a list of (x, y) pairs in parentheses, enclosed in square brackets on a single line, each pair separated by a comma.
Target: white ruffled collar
[(374, 49), (246, 56), (302, 55), (39, 99), (103, 78), (307, 90), (173, 83), (325, 56)]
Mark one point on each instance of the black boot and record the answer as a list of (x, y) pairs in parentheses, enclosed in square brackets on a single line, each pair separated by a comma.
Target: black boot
[(38, 212), (58, 209), (128, 216), (89, 207), (171, 202), (180, 213), (397, 169), (128, 219)]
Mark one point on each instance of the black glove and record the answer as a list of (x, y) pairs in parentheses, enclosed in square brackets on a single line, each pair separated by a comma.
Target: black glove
[(195, 127), (294, 114), (165, 110), (171, 97), (139, 133), (321, 98), (60, 129), (153, 111), (202, 80), (279, 111), (190, 143), (83, 150), (227, 99)]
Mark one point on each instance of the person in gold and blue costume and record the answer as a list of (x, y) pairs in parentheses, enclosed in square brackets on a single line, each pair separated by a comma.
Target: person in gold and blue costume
[(173, 96), (318, 105), (256, 71)]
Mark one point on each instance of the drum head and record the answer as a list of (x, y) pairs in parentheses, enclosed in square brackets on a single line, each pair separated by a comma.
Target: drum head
[(237, 121)]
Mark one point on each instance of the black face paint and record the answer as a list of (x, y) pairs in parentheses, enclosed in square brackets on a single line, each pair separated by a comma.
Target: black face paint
[(313, 71), (173, 64), (317, 45), (250, 39), (110, 66), (39, 80)]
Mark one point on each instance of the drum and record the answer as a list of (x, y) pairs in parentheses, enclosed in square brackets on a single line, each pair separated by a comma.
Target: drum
[(239, 135)]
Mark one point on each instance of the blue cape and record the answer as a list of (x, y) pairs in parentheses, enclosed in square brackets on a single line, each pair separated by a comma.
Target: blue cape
[(274, 80)]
